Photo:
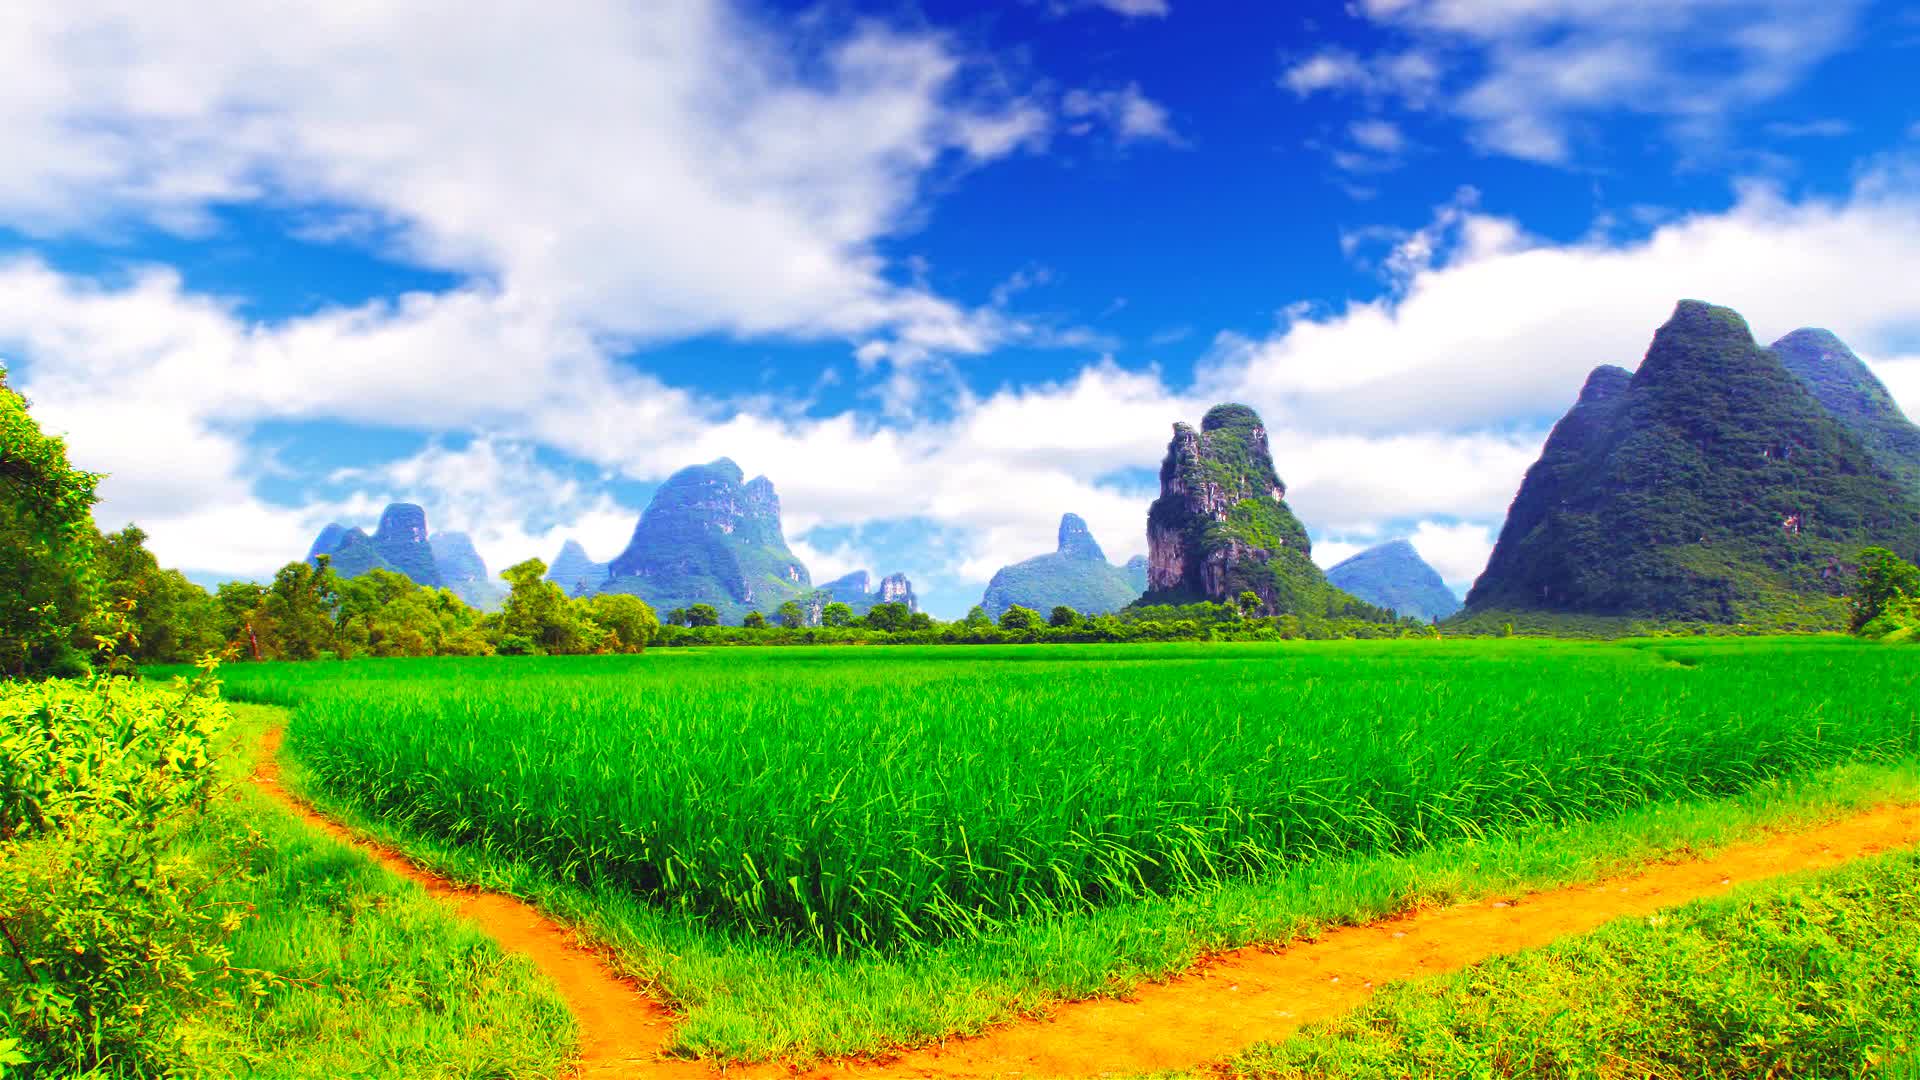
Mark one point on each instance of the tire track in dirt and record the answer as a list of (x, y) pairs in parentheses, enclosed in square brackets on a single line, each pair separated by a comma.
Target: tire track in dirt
[(1225, 1004), (622, 1030)]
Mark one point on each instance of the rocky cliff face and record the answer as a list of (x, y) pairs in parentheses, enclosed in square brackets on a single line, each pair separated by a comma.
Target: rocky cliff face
[(575, 572), (1222, 525), (710, 537), (464, 572), (896, 589), (1075, 574), (1847, 389), (1394, 576), (1708, 485), (857, 591)]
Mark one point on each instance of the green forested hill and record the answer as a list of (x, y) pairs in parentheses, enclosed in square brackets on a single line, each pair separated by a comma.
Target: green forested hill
[(1394, 576), (1076, 574), (1708, 485), (1851, 392), (709, 538)]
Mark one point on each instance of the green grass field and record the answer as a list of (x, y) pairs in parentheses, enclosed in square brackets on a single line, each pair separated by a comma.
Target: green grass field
[(832, 851)]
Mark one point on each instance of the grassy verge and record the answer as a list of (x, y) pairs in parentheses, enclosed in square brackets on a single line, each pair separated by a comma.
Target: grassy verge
[(380, 980), (1816, 975), (752, 999)]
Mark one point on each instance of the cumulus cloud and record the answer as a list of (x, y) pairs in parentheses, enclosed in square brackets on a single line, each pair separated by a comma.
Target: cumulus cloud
[(648, 172), (1131, 115), (1488, 325), (1524, 73)]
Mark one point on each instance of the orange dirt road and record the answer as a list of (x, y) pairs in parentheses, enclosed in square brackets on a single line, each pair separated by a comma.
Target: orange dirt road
[(621, 1029), (1227, 1004)]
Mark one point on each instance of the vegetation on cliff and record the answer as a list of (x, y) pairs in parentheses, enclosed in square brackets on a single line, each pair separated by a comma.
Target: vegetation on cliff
[(1221, 526), (1076, 575), (1709, 485), (1845, 387), (710, 538)]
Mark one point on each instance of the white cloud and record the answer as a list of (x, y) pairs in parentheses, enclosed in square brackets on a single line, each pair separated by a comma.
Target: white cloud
[(1130, 9), (1488, 326), (1380, 136), (1810, 129), (1130, 114), (645, 172), (1411, 76), (1525, 73)]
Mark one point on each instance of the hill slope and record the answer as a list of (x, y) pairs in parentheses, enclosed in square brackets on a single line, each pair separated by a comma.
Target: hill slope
[(575, 572), (1842, 383), (1076, 574), (1393, 575), (1707, 485), (708, 538), (464, 572)]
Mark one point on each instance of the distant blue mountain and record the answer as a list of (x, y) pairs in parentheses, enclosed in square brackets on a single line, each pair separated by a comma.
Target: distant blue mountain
[(575, 572), (1393, 575), (402, 544)]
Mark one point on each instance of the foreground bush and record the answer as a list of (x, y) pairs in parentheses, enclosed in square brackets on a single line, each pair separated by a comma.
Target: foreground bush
[(105, 934)]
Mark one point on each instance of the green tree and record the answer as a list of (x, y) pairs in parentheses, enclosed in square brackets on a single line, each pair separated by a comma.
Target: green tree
[(1063, 616), (920, 620), (1884, 581), (233, 606), (297, 612), (48, 580), (538, 615), (1248, 603), (836, 614), (703, 615), (977, 617), (1019, 618), (677, 617), (171, 619), (754, 621), (790, 616), (629, 619), (889, 617)]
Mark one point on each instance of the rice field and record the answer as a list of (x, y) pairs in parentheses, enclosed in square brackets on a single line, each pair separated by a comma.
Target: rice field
[(867, 801)]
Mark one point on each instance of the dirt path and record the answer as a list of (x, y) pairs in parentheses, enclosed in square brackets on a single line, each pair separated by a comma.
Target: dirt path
[(621, 1029), (1255, 995), (1229, 1003)]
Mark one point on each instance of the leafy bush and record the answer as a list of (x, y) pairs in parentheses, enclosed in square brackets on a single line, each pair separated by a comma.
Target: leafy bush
[(105, 934), (47, 538), (1886, 597)]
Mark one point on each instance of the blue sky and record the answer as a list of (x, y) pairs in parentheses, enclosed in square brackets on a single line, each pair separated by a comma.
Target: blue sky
[(943, 271)]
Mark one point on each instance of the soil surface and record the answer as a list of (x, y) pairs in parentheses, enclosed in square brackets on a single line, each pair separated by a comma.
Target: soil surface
[(622, 1030), (1223, 1006)]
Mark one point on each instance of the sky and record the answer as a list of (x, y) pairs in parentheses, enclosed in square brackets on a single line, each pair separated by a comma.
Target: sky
[(942, 271)]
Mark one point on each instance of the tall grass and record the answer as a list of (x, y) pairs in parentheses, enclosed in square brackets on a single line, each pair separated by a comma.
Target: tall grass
[(859, 800)]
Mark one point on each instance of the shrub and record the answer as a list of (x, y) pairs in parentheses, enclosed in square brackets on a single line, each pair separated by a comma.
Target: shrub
[(104, 933)]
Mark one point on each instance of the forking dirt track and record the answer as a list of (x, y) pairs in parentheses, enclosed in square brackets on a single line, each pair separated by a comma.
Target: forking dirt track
[(1223, 1005)]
